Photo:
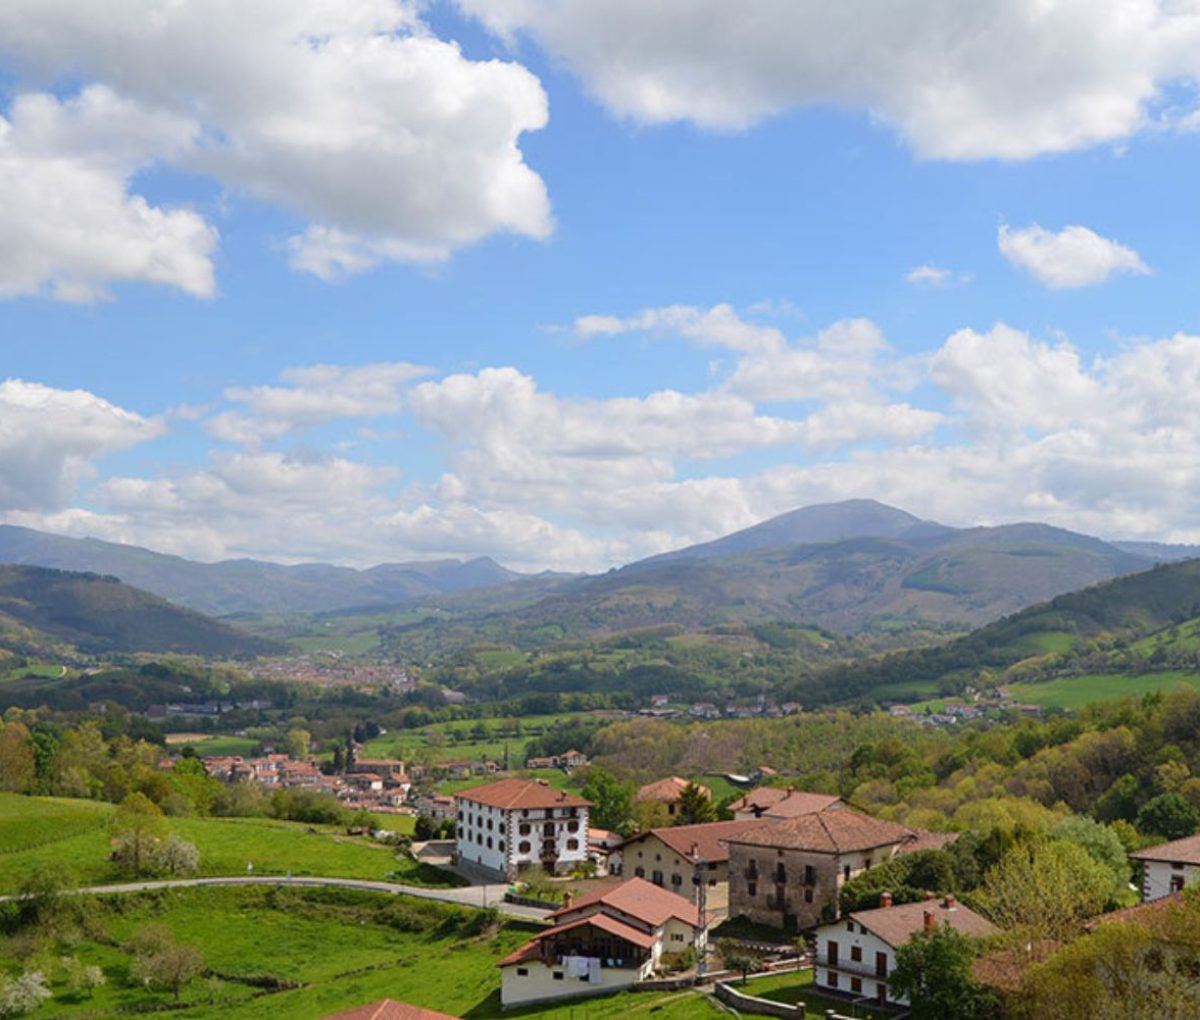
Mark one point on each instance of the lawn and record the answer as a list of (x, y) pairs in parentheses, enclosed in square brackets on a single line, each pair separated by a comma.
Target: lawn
[(220, 744), (72, 832), (1077, 691), (798, 987)]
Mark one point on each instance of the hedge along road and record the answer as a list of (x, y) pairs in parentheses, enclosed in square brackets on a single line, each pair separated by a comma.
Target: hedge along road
[(477, 896)]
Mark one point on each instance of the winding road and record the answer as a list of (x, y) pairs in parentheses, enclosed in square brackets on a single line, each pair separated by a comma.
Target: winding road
[(464, 896)]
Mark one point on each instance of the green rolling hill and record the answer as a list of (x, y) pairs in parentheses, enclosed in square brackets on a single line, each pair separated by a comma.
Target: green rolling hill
[(45, 611)]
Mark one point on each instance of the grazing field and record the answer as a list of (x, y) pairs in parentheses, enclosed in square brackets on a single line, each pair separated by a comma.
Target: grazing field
[(206, 744), (72, 833), (1077, 691)]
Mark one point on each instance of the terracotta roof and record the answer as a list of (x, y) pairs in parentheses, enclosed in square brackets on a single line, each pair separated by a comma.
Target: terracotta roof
[(925, 839), (389, 1009), (780, 802), (896, 925), (1186, 851), (644, 901), (667, 790), (520, 793), (1005, 969), (602, 921), (709, 838), (826, 832), (1141, 913)]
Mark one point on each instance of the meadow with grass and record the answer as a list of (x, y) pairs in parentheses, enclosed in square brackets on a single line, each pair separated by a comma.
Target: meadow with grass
[(37, 831), (297, 953)]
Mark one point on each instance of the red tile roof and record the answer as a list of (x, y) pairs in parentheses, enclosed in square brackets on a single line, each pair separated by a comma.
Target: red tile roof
[(708, 840), (667, 790), (896, 925), (643, 901), (926, 839), (1185, 851), (827, 832), (389, 1009), (1142, 913), (508, 794), (780, 802), (607, 924)]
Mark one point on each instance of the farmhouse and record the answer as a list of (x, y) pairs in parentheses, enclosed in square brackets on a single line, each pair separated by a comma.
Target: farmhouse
[(678, 857), (1168, 867), (856, 955), (511, 823), (602, 943), (667, 792), (782, 802), (788, 873)]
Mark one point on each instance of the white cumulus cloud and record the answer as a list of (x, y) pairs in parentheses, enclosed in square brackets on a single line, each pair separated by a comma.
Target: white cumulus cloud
[(68, 223), (50, 440), (1073, 257), (351, 114), (1007, 79)]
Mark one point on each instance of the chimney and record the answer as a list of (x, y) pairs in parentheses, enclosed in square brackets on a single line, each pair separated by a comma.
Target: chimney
[(930, 920), (790, 791), (568, 899), (885, 899), (950, 903)]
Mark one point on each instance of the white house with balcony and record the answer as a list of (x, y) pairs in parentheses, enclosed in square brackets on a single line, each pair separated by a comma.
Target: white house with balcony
[(514, 823), (608, 941), (856, 955)]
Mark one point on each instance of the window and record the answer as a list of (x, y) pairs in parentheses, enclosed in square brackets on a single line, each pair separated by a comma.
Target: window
[(676, 880), (572, 826), (500, 846), (810, 875), (856, 954), (523, 847), (751, 888), (640, 871), (856, 984), (850, 926), (846, 872), (676, 937), (523, 829), (489, 842), (572, 844), (656, 877), (522, 972), (832, 979), (558, 975)]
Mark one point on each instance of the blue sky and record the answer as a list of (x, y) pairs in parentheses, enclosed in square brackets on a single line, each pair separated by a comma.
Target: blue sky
[(599, 279)]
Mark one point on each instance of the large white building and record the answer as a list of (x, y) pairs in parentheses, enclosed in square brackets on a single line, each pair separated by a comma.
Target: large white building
[(856, 955), (514, 823), (603, 943), (1168, 867)]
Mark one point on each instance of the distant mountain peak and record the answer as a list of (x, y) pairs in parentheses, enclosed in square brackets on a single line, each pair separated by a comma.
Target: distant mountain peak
[(811, 525)]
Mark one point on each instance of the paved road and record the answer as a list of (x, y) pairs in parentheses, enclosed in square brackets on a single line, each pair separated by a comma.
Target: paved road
[(468, 896)]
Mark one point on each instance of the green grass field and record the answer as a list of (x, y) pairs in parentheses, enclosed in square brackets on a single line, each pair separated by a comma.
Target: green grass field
[(1075, 692), (42, 830), (223, 744), (297, 954), (27, 823)]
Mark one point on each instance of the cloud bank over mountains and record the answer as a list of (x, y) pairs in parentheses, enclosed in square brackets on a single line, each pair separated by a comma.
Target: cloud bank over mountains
[(987, 426)]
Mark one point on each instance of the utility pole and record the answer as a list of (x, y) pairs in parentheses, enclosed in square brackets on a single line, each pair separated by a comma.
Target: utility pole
[(701, 883)]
